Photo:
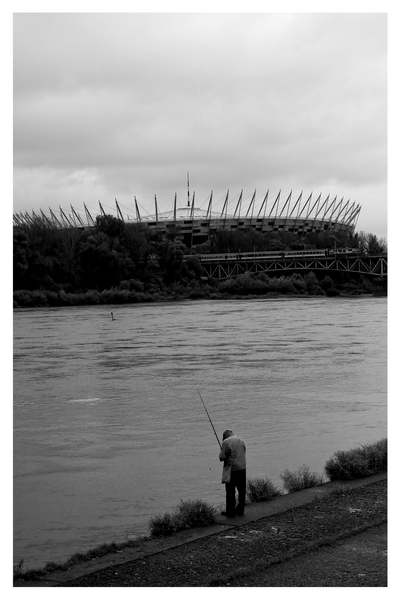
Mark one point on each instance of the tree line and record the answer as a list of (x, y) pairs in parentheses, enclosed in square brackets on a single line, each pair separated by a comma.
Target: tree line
[(113, 256)]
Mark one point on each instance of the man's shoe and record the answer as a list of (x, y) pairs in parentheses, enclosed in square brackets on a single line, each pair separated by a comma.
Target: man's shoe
[(225, 514)]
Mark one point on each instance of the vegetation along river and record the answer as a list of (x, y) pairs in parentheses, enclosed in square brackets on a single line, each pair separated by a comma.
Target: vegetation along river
[(109, 428)]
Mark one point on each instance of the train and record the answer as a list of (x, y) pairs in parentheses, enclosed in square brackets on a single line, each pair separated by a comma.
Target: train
[(274, 254)]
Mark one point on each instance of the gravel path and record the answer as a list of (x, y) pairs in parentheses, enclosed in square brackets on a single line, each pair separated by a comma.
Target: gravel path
[(359, 560), (231, 556)]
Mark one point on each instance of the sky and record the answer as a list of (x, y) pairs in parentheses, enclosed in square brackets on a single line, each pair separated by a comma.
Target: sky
[(124, 105)]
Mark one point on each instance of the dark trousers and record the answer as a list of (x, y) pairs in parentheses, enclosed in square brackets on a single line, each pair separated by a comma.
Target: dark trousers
[(237, 482)]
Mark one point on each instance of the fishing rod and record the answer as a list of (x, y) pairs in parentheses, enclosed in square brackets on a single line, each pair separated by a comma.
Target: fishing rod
[(209, 418)]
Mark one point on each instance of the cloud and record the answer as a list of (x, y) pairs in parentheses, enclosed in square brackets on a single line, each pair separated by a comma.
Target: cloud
[(109, 105)]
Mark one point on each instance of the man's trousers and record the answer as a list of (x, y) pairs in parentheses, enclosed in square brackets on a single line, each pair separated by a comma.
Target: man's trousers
[(237, 482)]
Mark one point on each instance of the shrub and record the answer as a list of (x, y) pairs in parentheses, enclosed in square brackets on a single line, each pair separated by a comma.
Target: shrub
[(273, 284), (301, 479), (332, 292), (358, 462), (286, 286), (261, 490), (132, 285), (162, 525), (189, 514), (299, 283), (18, 568), (23, 299), (312, 284), (228, 286), (376, 455), (328, 286), (195, 513), (198, 292)]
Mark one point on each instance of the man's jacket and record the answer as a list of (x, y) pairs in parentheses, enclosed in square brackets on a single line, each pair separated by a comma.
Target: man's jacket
[(233, 453)]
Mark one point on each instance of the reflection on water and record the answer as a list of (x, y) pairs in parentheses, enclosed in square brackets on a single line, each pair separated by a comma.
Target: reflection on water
[(109, 429)]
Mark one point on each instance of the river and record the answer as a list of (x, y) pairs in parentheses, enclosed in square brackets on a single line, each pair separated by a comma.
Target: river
[(109, 429)]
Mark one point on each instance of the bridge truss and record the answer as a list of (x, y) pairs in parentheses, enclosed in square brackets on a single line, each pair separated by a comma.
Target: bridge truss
[(229, 267)]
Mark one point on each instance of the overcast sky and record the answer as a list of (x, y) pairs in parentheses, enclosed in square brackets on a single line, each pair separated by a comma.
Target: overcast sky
[(123, 105)]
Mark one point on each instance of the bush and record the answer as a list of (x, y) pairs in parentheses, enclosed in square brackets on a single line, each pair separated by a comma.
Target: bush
[(132, 285), (358, 462), (245, 283), (376, 455), (22, 299), (328, 286), (286, 286), (261, 490), (18, 568), (312, 284), (198, 292), (29, 298), (299, 283), (332, 292), (189, 514), (301, 479), (195, 513), (162, 525)]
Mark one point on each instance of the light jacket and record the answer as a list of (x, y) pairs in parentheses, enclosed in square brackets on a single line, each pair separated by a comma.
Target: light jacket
[(233, 453)]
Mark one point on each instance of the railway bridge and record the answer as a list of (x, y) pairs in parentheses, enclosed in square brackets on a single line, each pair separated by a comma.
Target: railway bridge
[(228, 265)]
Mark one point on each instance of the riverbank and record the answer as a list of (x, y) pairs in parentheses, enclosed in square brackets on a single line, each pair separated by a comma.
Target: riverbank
[(46, 298), (240, 551)]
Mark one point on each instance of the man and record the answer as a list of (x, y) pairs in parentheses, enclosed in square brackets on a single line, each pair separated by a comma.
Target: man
[(233, 454)]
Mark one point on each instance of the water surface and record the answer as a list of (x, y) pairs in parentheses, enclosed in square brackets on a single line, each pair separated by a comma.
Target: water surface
[(109, 428)]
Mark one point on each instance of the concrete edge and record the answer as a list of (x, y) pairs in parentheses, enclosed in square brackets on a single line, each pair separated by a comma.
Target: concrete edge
[(153, 546)]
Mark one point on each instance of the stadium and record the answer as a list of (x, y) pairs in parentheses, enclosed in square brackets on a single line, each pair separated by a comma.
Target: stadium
[(194, 225)]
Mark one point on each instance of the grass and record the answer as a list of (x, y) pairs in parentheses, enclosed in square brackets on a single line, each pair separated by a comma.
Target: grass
[(301, 479), (75, 559), (363, 461), (261, 490), (189, 514), (18, 568)]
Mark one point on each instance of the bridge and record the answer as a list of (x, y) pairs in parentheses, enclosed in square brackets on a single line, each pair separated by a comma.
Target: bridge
[(228, 265)]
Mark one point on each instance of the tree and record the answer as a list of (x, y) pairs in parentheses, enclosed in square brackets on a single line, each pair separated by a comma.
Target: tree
[(375, 246), (369, 243), (110, 225), (171, 260), (21, 264)]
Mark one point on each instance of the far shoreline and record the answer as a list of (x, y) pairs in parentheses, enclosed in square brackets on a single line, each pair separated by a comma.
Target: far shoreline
[(217, 297)]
